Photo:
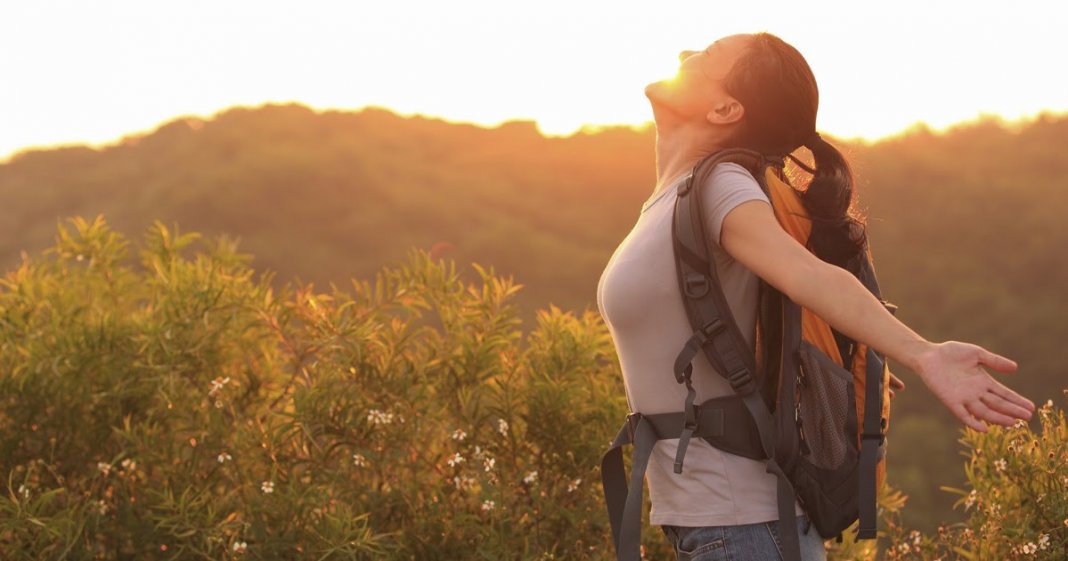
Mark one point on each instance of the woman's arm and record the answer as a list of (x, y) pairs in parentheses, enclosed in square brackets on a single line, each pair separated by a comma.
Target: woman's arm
[(953, 371)]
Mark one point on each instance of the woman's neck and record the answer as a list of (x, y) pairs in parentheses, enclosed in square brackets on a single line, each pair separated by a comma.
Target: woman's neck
[(678, 149)]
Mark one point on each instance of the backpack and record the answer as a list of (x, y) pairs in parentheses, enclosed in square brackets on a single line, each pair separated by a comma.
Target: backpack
[(809, 401)]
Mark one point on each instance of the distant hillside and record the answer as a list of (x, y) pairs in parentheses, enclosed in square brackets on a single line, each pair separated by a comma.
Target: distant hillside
[(965, 226)]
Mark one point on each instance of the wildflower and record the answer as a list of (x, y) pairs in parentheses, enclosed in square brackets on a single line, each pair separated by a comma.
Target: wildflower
[(104, 468), (218, 404), (217, 385), (455, 460), (359, 461), (240, 547), (129, 464), (376, 417), (1020, 423), (1029, 548), (531, 477), (102, 506), (1043, 541), (573, 486), (24, 491), (1000, 464), (502, 427), (479, 453), (970, 500), (224, 457), (488, 505), (488, 463), (463, 482), (915, 535), (267, 486), (459, 434)]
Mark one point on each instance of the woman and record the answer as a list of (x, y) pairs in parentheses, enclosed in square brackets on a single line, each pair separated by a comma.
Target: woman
[(756, 92)]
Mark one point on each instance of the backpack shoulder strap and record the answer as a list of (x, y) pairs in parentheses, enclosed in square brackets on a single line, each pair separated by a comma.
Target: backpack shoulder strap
[(716, 333)]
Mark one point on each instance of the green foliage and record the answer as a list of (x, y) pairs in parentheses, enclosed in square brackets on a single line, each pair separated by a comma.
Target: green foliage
[(179, 408), (1017, 505)]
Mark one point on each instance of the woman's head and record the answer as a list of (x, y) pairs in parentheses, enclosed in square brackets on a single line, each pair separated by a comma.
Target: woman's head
[(775, 85), (758, 92)]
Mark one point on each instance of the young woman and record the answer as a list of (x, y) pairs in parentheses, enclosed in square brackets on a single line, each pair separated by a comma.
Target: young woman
[(756, 92)]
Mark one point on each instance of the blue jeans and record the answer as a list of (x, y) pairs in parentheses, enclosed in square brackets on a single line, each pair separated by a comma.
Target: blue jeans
[(749, 542)]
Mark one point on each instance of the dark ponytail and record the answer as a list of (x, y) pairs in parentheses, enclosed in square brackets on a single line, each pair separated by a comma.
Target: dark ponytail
[(837, 232), (778, 90)]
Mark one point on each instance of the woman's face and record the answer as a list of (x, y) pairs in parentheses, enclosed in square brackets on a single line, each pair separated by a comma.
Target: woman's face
[(699, 86)]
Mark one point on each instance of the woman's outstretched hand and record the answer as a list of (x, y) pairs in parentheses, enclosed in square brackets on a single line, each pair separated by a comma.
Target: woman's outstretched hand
[(954, 372)]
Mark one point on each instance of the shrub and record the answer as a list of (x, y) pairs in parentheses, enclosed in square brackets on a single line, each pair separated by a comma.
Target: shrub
[(1017, 503), (177, 407)]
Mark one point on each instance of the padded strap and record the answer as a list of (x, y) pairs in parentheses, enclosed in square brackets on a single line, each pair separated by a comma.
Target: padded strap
[(871, 439), (624, 502), (791, 542)]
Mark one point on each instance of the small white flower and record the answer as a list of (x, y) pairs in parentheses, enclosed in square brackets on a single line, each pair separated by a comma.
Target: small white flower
[(1000, 464), (1029, 548), (479, 454), (129, 464), (359, 461), (24, 491), (488, 463), (1020, 423), (267, 486), (488, 505), (217, 384), (970, 500), (240, 547), (574, 485), (1043, 541), (104, 468), (218, 404), (102, 506), (224, 457), (459, 434), (502, 427), (463, 482), (531, 477), (376, 417), (455, 460)]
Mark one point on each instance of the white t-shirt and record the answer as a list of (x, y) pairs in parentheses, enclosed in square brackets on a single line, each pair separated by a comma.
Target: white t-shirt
[(638, 297)]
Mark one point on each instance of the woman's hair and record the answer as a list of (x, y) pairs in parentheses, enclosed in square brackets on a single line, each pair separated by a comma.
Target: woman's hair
[(778, 90)]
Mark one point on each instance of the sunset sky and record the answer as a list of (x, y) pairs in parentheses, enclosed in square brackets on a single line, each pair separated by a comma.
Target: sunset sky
[(95, 71)]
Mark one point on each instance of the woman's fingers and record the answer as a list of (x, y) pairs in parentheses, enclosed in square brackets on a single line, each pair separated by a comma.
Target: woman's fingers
[(997, 362), (896, 383), (1002, 405), (983, 412), (1007, 394), (964, 415)]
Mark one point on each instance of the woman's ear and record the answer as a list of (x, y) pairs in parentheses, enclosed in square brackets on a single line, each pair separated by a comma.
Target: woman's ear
[(727, 112)]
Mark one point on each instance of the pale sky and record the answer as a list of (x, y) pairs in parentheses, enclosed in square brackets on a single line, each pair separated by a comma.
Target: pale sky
[(93, 71)]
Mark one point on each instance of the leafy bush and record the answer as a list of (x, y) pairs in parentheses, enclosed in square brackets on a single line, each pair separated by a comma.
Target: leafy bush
[(175, 407), (1017, 504), (178, 408)]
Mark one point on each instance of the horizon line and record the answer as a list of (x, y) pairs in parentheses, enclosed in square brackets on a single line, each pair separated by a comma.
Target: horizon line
[(584, 128)]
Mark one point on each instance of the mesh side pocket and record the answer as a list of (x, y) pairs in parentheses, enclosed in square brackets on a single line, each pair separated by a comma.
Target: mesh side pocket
[(826, 408)]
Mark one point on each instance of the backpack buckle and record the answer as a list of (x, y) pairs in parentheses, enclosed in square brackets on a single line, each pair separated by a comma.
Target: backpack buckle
[(740, 380), (632, 424), (695, 285)]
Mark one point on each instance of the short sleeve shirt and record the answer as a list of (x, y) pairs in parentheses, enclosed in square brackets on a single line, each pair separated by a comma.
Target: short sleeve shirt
[(638, 296)]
